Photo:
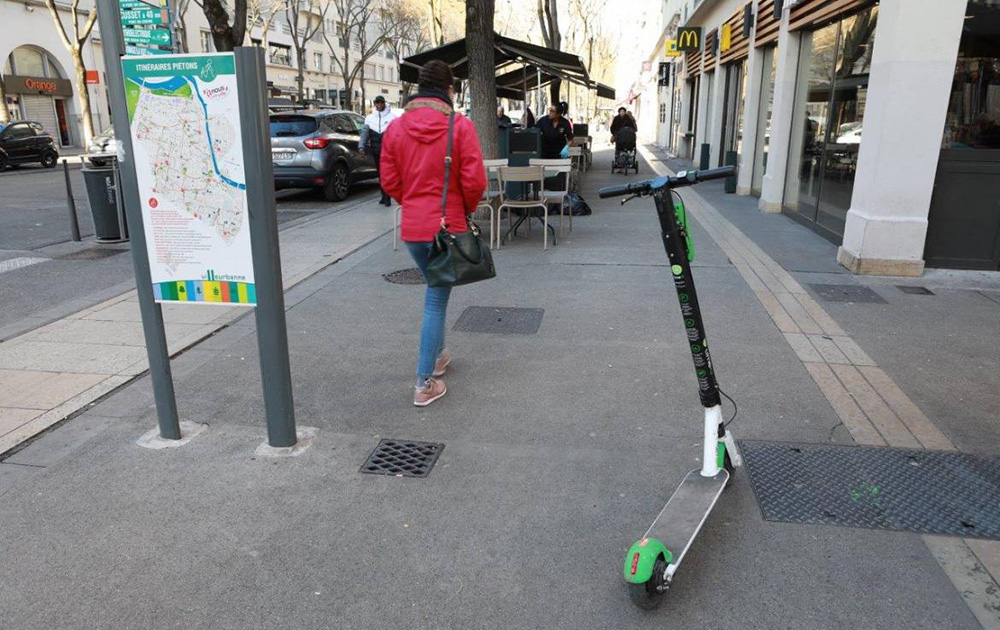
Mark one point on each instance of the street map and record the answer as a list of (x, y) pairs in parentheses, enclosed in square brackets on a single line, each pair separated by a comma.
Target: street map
[(185, 127)]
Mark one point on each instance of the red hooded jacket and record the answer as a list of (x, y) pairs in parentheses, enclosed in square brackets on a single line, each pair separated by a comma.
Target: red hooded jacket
[(412, 168)]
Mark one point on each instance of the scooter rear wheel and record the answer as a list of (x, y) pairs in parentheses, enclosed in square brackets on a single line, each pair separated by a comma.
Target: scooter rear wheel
[(649, 594)]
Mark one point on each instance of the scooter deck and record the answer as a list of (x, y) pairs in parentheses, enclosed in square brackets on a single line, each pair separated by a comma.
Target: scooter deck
[(682, 517)]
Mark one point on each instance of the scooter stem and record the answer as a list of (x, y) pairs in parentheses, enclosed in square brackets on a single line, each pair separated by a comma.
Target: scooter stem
[(710, 459)]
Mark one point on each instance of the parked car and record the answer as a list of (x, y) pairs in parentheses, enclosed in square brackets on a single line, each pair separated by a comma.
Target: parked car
[(101, 145), (24, 141), (319, 149)]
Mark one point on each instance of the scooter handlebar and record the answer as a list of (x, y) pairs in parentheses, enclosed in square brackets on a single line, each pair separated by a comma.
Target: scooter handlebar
[(624, 189), (684, 178)]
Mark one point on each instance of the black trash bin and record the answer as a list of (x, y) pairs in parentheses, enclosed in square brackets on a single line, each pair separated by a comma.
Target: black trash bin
[(109, 223)]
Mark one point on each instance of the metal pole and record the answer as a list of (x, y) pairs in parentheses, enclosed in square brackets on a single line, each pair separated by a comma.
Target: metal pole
[(272, 335), (112, 45), (538, 93), (74, 224)]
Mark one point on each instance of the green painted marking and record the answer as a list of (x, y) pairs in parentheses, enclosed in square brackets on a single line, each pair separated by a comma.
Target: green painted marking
[(677, 270), (131, 97), (695, 348), (683, 297)]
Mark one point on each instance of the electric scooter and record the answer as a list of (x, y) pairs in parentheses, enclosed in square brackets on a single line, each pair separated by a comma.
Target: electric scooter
[(653, 560)]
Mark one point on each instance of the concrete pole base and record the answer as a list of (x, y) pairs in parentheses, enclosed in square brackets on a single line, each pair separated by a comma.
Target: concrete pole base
[(152, 440), (304, 439)]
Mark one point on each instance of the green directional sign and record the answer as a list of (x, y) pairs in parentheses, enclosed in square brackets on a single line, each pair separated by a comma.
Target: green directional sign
[(156, 37), (132, 49), (127, 5), (145, 17)]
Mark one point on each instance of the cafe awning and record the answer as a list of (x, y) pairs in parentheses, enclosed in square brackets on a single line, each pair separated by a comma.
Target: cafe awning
[(511, 55)]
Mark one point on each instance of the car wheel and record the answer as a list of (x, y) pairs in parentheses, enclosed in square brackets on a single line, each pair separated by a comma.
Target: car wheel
[(49, 159), (3, 163), (337, 186)]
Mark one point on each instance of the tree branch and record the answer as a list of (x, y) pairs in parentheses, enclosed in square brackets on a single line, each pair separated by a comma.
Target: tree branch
[(60, 28)]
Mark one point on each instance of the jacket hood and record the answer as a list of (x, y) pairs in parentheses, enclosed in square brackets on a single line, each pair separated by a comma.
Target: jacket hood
[(425, 121)]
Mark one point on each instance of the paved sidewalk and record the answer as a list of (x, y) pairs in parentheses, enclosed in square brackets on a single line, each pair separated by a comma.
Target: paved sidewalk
[(58, 369), (561, 447)]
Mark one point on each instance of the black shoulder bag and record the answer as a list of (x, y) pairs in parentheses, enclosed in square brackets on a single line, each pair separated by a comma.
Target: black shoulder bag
[(457, 258)]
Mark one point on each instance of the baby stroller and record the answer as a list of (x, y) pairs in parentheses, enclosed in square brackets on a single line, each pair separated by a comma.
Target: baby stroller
[(625, 154)]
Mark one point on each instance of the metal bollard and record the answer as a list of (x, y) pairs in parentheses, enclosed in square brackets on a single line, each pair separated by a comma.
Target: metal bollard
[(74, 224)]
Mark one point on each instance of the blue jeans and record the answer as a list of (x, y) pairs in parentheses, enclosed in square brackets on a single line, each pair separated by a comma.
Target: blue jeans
[(435, 309)]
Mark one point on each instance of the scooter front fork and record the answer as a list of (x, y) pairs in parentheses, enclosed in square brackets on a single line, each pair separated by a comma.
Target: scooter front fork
[(714, 448)]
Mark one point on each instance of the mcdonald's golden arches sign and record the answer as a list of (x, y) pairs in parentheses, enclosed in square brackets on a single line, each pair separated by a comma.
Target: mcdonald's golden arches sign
[(689, 38)]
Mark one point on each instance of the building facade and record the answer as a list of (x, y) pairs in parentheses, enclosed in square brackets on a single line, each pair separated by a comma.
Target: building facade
[(876, 124), (39, 80)]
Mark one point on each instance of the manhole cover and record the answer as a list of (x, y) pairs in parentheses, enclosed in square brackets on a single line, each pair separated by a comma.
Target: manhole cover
[(846, 293), (930, 492), (500, 320), (405, 276), (404, 458), (914, 290), (94, 253)]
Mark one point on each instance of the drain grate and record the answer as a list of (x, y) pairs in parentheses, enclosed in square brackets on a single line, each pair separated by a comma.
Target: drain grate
[(405, 276), (403, 458), (930, 492), (94, 253), (913, 290), (846, 293), (500, 320)]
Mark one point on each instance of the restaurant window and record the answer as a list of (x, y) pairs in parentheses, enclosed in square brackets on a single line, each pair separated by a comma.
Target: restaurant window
[(830, 96), (973, 118), (764, 120)]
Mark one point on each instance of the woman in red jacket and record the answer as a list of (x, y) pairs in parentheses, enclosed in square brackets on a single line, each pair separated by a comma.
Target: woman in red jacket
[(412, 172)]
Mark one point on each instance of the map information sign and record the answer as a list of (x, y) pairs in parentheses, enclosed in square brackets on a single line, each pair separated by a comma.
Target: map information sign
[(185, 126)]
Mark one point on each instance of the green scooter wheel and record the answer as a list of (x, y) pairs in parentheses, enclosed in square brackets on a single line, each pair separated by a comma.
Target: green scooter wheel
[(648, 595)]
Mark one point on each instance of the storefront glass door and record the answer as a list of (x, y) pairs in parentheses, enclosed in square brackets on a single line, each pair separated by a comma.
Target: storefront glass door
[(831, 92), (732, 115)]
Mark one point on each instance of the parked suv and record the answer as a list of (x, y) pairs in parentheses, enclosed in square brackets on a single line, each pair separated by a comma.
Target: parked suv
[(319, 149), (25, 141)]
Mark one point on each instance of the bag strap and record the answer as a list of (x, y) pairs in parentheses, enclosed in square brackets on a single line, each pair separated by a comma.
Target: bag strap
[(447, 169)]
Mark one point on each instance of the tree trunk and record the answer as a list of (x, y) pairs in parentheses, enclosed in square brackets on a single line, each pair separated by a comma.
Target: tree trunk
[(4, 112), (482, 73), (436, 26), (83, 96), (224, 36), (364, 97), (554, 88), (300, 77)]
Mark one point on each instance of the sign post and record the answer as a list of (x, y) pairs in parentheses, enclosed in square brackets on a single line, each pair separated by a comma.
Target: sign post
[(272, 334), (112, 46)]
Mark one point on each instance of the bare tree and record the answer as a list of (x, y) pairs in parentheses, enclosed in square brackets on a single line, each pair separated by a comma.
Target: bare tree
[(302, 34), (404, 30), (74, 44), (353, 18), (548, 20), (178, 24), (225, 35), (261, 14), (482, 72), (437, 24)]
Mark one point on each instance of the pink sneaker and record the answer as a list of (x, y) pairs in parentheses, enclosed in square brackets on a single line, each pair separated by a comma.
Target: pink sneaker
[(424, 396), (441, 365)]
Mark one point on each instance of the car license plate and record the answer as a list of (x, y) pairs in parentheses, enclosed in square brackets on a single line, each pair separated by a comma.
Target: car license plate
[(282, 155)]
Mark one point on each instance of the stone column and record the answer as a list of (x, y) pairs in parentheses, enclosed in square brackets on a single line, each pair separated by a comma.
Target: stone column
[(913, 64), (773, 185), (751, 113)]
